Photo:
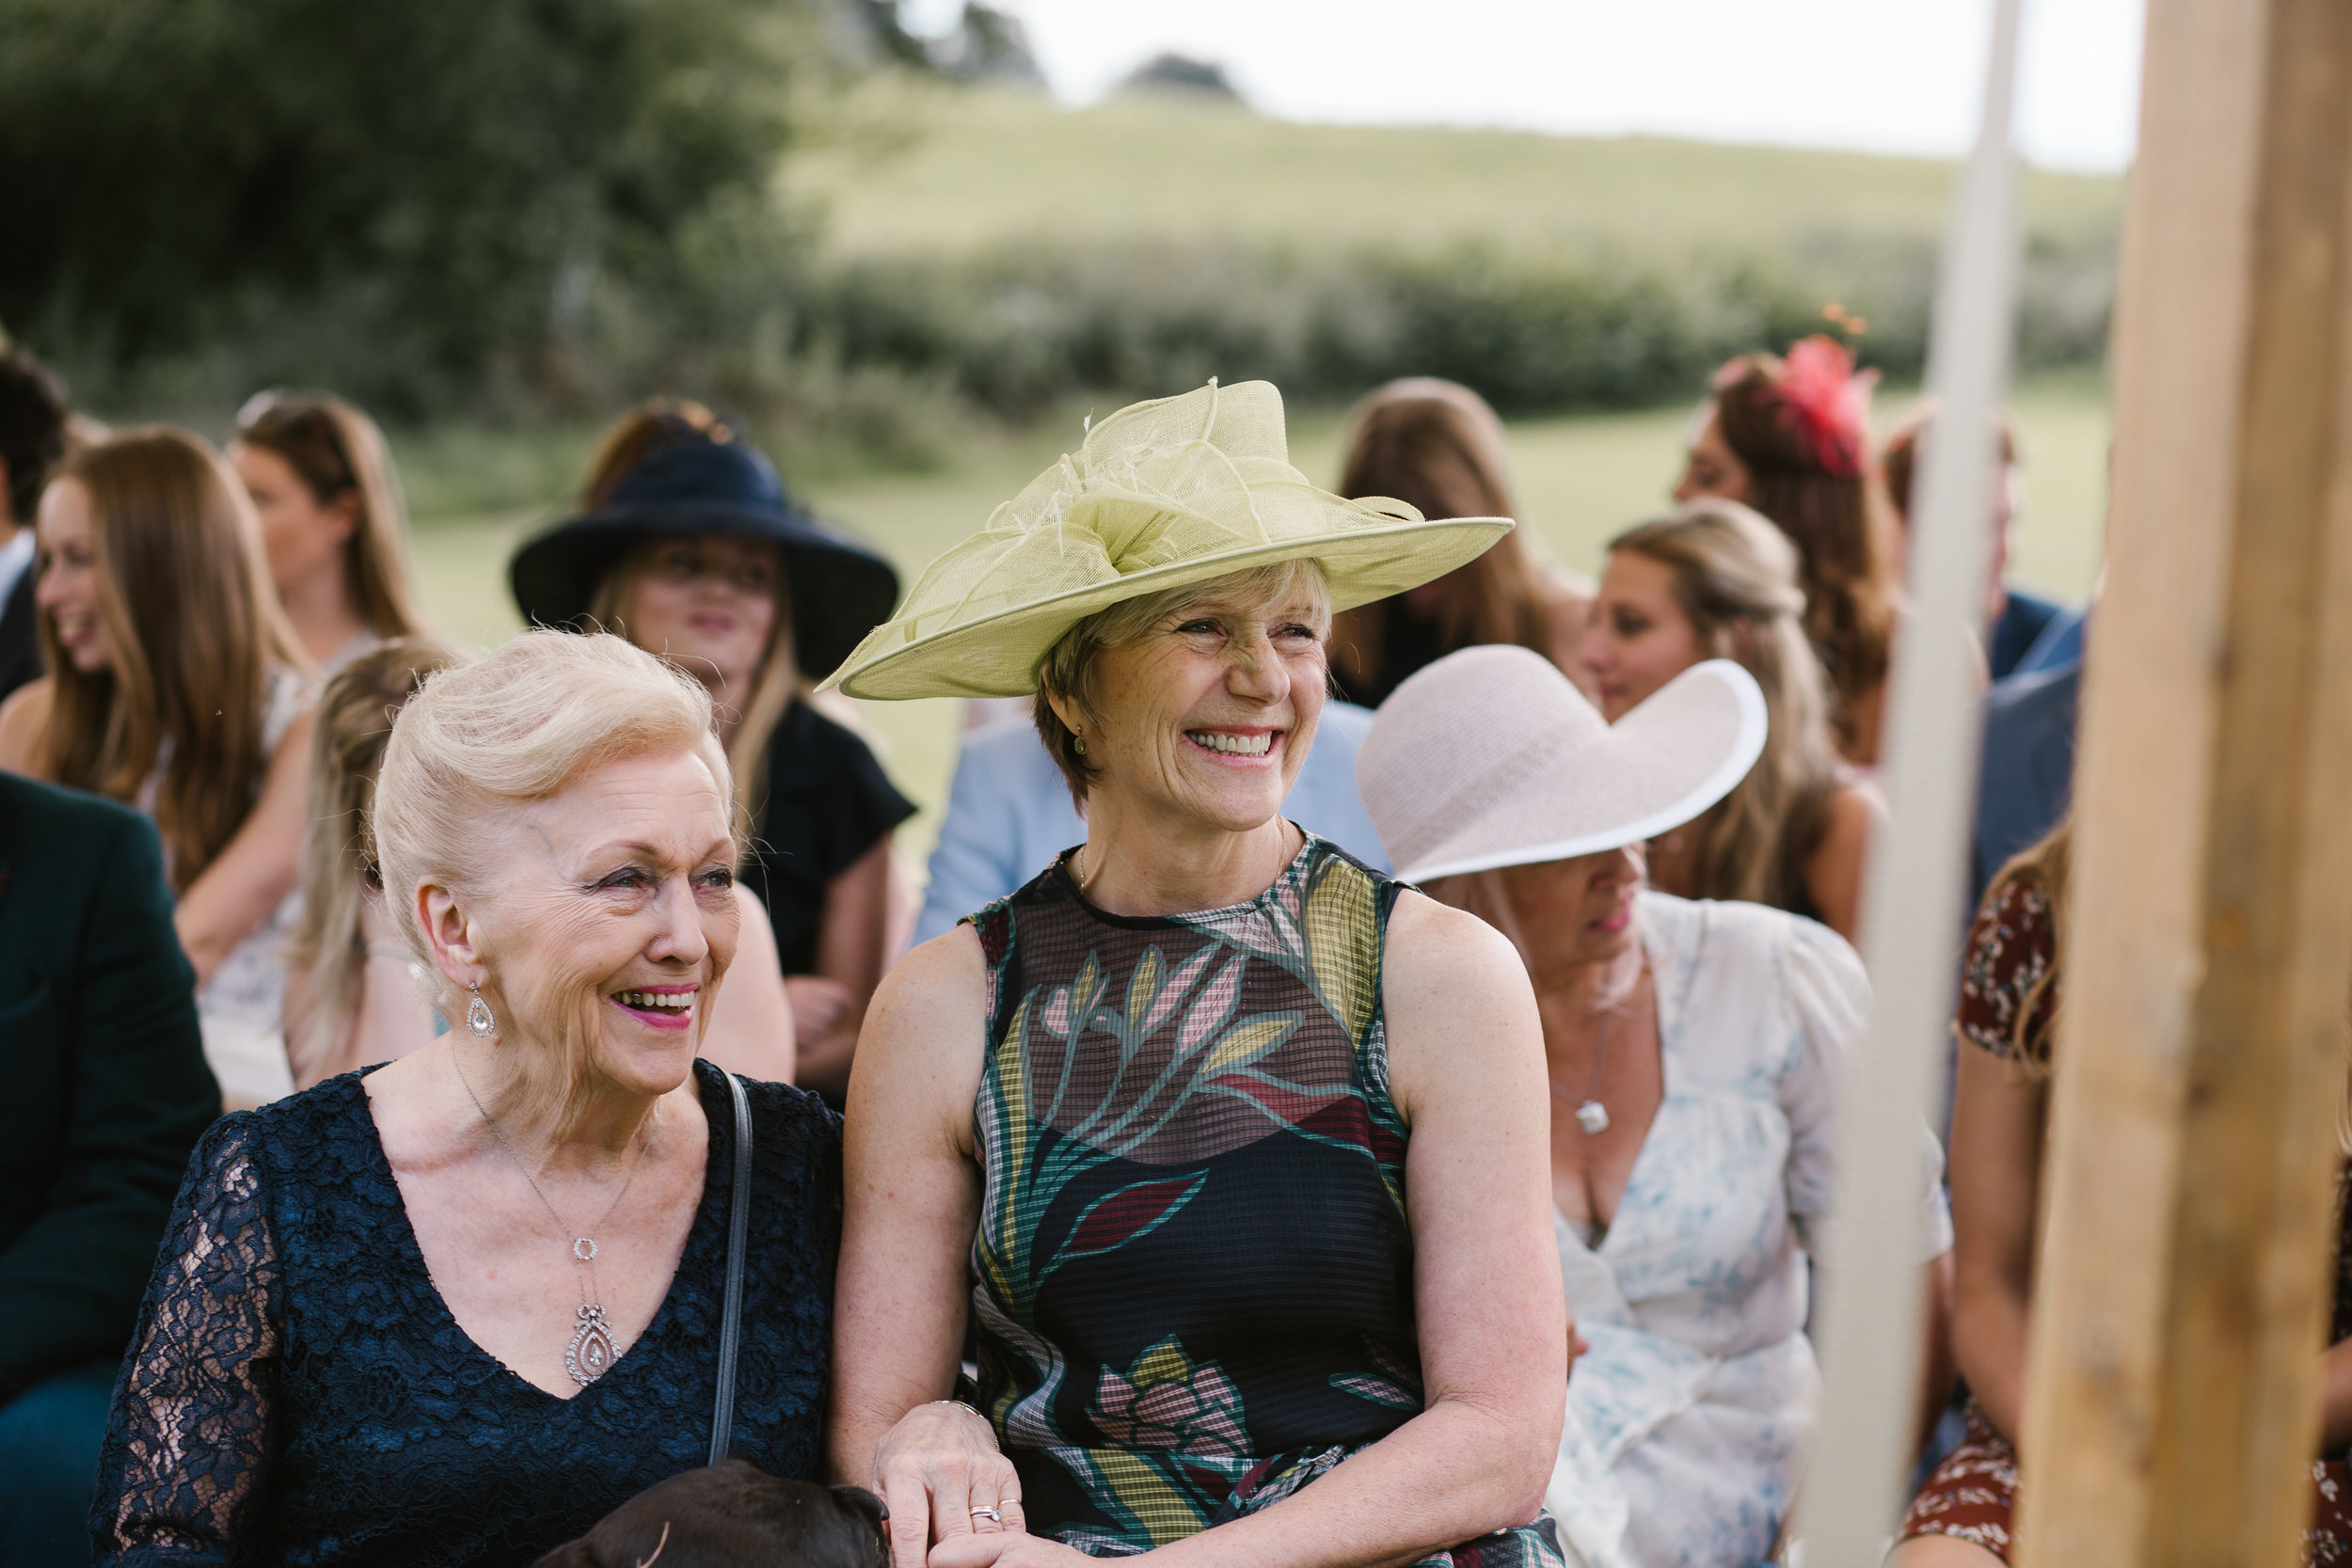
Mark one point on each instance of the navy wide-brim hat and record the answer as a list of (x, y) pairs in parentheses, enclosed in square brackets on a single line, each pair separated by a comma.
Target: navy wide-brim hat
[(839, 590)]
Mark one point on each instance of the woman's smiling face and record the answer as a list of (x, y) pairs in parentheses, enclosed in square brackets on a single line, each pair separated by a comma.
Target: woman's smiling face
[(66, 588), (1210, 713), (613, 902)]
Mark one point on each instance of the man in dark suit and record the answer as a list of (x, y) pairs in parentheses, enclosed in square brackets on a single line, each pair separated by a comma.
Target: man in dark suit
[(32, 440), (103, 1093)]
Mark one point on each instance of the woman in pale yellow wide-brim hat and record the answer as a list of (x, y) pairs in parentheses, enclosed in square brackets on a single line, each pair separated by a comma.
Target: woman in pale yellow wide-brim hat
[(1165, 1102)]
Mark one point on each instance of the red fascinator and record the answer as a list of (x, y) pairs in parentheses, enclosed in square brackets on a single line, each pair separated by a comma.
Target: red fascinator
[(1824, 403)]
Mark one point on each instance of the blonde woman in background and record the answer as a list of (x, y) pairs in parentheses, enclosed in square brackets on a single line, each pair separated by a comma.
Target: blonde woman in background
[(1436, 446), (332, 523), (1716, 580), (356, 994), (691, 549), (175, 686)]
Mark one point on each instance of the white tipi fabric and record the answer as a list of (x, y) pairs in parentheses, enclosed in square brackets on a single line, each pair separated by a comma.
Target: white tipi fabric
[(1687, 1421)]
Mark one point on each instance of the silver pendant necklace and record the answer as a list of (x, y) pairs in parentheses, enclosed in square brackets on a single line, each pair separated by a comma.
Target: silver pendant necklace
[(1591, 1115), (592, 1352)]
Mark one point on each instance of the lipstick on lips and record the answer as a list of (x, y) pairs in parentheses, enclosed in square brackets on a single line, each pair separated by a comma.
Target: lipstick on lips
[(659, 1007)]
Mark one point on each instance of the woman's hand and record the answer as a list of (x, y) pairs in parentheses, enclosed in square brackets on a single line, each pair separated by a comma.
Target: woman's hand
[(1005, 1550), (935, 1469), (824, 1018)]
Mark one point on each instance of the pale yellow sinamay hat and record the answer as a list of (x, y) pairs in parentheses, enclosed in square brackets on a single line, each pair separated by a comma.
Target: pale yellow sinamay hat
[(1180, 490)]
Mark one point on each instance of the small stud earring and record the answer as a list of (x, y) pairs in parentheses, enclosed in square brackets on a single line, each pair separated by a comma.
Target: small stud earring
[(478, 1020)]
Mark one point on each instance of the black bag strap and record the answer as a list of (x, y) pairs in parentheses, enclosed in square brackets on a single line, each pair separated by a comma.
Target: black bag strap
[(731, 1311)]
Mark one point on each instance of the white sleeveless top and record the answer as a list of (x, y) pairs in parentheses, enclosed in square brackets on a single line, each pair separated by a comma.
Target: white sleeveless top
[(238, 1007)]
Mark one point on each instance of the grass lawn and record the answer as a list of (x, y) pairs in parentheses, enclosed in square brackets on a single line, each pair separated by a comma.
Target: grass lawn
[(906, 170), (1579, 479)]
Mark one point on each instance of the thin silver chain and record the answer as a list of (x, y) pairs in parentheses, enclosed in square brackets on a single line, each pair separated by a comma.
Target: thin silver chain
[(588, 1287), (1600, 1051)]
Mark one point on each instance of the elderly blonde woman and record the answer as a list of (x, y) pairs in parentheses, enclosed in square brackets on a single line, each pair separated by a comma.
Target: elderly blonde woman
[(1228, 1150), (453, 1309), (1692, 1050)]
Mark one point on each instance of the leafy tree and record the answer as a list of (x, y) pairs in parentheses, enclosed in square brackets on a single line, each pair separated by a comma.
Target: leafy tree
[(455, 183)]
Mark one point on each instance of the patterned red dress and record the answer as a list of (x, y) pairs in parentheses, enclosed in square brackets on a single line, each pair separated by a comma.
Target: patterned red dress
[(1972, 1494)]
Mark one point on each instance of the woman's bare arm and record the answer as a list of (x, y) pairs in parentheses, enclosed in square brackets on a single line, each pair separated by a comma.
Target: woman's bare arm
[(852, 954), (260, 866), (751, 1025), (1937, 1367), (1833, 875), (1995, 1172), (911, 1206)]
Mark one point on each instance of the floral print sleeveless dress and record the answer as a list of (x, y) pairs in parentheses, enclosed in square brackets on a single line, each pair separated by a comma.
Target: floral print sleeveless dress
[(1193, 1277)]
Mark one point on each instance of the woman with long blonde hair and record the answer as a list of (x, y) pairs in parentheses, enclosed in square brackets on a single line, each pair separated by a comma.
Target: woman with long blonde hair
[(691, 547), (1437, 445), (354, 992), (175, 684), (333, 522), (1716, 580)]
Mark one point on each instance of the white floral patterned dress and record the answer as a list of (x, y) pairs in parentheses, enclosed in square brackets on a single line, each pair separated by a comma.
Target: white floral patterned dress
[(1687, 1422)]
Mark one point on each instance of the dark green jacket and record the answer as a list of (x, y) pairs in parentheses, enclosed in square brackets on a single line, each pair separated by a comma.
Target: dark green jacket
[(104, 1091)]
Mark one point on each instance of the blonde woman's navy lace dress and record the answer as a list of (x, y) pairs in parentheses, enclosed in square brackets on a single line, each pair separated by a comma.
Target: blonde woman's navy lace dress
[(297, 1392), (1195, 1277)]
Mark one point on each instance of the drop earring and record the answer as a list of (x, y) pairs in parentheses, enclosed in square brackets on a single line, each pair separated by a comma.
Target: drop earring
[(1079, 744), (478, 1020)]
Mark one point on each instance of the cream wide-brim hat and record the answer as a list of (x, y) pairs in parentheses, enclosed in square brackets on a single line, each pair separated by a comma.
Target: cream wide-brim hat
[(1489, 757), (1181, 490)]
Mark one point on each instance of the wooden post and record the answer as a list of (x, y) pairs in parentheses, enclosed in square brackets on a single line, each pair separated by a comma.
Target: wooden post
[(2179, 1312)]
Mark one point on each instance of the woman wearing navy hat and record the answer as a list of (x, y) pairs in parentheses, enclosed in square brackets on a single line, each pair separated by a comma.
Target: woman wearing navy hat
[(689, 544)]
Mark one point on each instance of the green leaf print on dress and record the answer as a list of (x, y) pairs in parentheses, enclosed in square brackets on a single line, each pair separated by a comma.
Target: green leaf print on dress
[(1193, 1273)]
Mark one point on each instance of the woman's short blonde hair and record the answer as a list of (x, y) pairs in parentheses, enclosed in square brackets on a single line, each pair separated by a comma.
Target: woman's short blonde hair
[(522, 726), (1068, 669)]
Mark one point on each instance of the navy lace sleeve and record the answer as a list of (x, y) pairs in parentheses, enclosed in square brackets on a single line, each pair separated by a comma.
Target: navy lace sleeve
[(188, 1451), (299, 1394)]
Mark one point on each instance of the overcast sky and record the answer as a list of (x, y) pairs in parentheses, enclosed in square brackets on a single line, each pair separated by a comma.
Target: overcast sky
[(1883, 75)]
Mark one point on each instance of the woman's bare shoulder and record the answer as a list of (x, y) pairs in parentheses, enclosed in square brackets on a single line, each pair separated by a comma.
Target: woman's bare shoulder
[(932, 1001), (1438, 961), (949, 969), (23, 716), (920, 1051), (1460, 1014)]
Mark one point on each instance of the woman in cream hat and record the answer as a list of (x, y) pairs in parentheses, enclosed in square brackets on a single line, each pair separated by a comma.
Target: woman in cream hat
[(1693, 1051), (1232, 1148)]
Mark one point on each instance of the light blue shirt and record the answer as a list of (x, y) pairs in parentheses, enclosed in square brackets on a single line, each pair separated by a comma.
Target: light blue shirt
[(1010, 813), (16, 559)]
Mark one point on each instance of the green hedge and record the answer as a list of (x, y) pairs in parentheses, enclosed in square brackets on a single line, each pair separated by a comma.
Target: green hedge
[(1013, 333)]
